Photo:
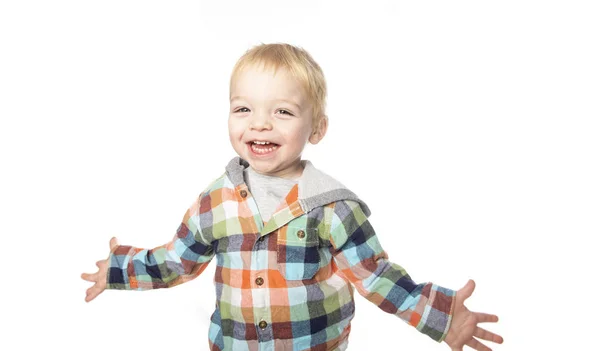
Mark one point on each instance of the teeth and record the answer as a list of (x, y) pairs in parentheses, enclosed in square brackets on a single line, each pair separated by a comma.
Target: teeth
[(263, 151), (261, 142)]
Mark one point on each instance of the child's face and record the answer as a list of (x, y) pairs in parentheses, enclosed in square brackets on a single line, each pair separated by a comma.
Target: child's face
[(273, 108)]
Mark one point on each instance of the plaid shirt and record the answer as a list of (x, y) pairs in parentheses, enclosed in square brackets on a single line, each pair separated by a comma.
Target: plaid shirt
[(288, 283)]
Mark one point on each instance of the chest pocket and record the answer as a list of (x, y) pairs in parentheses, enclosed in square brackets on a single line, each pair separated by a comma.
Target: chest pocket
[(298, 252)]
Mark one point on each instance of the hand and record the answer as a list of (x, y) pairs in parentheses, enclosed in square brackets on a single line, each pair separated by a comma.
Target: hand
[(99, 277), (464, 329)]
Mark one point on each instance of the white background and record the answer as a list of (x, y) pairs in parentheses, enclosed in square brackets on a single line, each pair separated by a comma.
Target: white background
[(470, 128)]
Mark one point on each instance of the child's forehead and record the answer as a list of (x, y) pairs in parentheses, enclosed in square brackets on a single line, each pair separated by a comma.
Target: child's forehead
[(280, 80), (265, 71)]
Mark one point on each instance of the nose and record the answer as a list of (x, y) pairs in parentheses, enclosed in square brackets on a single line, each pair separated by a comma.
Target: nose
[(260, 121)]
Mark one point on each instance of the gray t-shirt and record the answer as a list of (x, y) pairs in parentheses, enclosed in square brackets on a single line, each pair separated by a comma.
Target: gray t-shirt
[(268, 191)]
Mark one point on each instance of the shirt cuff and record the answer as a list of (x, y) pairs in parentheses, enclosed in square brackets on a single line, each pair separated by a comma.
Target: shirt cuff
[(118, 263), (437, 315)]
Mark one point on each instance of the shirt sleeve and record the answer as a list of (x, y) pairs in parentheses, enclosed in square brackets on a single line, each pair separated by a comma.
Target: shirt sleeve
[(178, 261), (357, 252)]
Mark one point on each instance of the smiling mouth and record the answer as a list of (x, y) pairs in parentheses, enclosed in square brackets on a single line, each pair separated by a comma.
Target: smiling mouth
[(262, 147)]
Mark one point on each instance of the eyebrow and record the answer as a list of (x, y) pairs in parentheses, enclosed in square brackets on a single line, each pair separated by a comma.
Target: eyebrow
[(284, 100)]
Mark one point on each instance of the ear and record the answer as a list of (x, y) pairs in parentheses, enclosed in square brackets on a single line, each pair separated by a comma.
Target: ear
[(319, 132)]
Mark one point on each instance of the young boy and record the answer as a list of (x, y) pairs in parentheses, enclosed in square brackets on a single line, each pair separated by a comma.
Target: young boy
[(291, 242)]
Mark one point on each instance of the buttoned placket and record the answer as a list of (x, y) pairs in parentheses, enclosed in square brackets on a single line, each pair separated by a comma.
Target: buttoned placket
[(259, 268), (261, 253)]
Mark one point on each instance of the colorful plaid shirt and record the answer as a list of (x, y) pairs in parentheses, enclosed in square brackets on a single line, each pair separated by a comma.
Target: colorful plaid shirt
[(288, 283)]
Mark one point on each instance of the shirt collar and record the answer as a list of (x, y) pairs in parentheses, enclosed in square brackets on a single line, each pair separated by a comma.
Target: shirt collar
[(315, 188)]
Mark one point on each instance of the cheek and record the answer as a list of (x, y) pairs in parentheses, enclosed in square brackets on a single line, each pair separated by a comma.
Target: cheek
[(297, 138), (236, 129)]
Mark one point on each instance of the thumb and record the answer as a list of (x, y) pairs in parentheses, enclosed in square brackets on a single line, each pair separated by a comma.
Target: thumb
[(466, 290), (113, 243)]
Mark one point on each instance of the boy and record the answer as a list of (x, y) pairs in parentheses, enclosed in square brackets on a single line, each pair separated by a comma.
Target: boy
[(291, 242)]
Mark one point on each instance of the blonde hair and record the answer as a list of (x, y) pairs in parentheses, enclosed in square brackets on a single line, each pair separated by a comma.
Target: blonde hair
[(298, 62)]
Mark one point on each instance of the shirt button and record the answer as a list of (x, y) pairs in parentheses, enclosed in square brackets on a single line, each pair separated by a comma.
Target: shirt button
[(261, 238), (262, 324), (244, 193), (301, 234), (259, 281)]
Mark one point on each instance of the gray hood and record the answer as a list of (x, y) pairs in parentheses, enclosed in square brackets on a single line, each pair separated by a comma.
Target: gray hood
[(315, 188)]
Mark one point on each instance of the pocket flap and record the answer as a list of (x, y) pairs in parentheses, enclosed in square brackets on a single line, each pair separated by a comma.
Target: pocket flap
[(297, 235)]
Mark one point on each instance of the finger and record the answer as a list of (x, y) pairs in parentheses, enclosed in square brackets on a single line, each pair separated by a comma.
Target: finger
[(475, 344), (466, 291), (100, 263), (487, 335), (89, 277), (92, 292), (485, 317), (88, 294), (113, 243)]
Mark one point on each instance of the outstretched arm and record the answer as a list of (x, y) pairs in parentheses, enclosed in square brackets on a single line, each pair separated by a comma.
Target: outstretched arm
[(435, 311), (178, 261)]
